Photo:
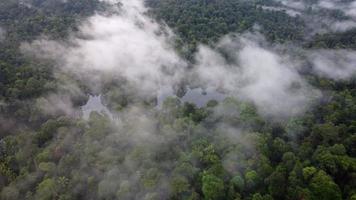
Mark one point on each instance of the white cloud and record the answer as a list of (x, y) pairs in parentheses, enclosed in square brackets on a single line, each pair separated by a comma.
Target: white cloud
[(289, 11), (321, 24), (2, 33), (294, 4), (129, 44), (335, 64), (349, 8), (260, 75)]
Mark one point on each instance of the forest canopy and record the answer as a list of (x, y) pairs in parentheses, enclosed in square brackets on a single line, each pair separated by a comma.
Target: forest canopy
[(177, 99)]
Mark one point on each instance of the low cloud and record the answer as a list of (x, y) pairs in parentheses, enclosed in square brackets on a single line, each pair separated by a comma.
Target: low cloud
[(136, 158), (334, 64), (259, 75), (289, 11), (131, 46), (348, 7), (318, 21), (128, 44), (293, 4), (2, 33), (56, 105)]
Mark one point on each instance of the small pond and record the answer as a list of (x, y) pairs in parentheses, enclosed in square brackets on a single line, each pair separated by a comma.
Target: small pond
[(198, 96), (95, 104)]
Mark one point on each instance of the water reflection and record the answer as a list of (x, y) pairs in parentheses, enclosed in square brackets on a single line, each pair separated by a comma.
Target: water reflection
[(95, 104), (198, 96)]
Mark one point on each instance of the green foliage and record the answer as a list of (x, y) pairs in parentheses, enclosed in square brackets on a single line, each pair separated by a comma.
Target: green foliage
[(46, 190), (238, 183), (47, 167), (206, 21), (151, 178), (202, 161), (323, 187), (10, 193), (276, 182), (180, 185), (55, 18), (252, 179), (213, 187), (336, 40), (48, 129), (258, 196)]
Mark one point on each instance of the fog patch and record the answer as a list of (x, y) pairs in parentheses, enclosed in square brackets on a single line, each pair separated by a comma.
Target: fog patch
[(293, 4), (289, 11), (2, 34), (343, 25), (260, 75), (334, 64), (348, 7), (316, 17), (56, 104), (128, 44)]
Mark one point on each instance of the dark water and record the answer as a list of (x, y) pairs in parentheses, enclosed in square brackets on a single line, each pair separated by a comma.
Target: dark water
[(95, 104), (197, 96)]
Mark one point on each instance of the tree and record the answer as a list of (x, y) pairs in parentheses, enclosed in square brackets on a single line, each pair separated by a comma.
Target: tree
[(46, 190), (258, 196), (180, 185), (238, 183), (9, 193), (277, 183), (325, 133), (323, 187), (308, 173), (251, 179), (279, 147), (213, 187)]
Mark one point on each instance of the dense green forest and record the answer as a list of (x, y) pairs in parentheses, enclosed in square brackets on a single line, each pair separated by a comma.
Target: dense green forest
[(207, 21), (223, 150), (345, 39)]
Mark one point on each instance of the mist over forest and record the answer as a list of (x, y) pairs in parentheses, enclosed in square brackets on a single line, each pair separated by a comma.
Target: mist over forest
[(178, 99)]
